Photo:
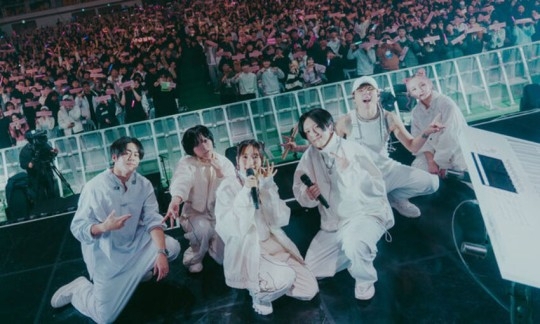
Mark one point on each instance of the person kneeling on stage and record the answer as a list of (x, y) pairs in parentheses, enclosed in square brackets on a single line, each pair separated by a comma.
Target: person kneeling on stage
[(258, 254), (339, 177), (36, 158), (119, 251)]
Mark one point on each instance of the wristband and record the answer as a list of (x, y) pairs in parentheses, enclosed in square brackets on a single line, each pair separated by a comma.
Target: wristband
[(163, 251)]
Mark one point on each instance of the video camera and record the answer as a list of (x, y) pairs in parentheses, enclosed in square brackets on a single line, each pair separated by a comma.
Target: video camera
[(43, 152)]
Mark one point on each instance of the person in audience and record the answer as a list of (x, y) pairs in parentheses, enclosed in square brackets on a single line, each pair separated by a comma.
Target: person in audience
[(5, 137), (442, 150), (69, 116), (357, 212), (371, 125), (86, 100), (164, 95), (313, 73), (388, 53), (131, 102), (258, 254), (105, 113), (45, 121), (120, 229), (247, 82), (365, 58), (227, 88), (195, 181), (294, 79), (18, 128), (268, 77)]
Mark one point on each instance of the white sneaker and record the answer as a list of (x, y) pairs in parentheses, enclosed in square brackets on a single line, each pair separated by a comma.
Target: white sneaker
[(405, 208), (364, 292), (63, 295), (195, 268), (262, 308)]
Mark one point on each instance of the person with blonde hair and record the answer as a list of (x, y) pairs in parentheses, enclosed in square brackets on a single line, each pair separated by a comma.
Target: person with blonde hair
[(441, 150)]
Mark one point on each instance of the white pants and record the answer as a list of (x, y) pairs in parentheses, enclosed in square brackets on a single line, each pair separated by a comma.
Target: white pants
[(354, 246), (404, 182), (105, 299), (280, 274), (202, 236)]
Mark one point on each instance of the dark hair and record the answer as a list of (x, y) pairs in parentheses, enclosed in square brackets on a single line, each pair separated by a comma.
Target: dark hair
[(192, 138), (240, 147), (120, 145), (321, 117)]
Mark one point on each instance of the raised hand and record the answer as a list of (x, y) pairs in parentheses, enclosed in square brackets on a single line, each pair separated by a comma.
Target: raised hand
[(172, 211), (268, 171), (113, 223)]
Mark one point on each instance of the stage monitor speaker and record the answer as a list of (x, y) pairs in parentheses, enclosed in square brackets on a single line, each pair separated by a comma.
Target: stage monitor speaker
[(55, 206), (530, 99)]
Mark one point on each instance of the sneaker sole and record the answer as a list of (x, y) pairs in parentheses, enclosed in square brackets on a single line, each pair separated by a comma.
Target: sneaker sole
[(55, 302)]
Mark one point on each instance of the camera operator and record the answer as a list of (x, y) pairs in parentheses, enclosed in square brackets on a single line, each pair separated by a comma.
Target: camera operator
[(36, 158)]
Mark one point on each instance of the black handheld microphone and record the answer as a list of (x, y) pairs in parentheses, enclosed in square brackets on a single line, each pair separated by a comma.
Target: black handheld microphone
[(307, 181), (254, 196)]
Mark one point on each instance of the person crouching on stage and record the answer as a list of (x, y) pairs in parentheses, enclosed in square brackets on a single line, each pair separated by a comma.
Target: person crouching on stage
[(258, 254), (340, 174), (195, 181)]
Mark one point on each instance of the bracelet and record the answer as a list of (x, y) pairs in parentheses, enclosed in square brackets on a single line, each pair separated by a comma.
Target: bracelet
[(425, 136), (164, 252)]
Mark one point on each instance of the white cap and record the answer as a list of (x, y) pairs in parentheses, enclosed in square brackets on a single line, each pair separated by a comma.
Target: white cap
[(364, 80)]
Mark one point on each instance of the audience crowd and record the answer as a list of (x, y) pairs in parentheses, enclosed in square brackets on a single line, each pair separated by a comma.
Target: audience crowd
[(124, 67)]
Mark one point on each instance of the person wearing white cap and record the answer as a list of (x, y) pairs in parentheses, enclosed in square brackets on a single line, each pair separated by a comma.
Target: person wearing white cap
[(371, 125), (69, 116), (45, 121), (441, 151)]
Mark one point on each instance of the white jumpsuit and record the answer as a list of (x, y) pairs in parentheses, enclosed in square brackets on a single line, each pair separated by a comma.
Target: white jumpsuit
[(196, 183), (116, 260)]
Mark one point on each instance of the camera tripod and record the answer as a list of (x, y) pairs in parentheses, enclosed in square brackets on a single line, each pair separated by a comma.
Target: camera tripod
[(61, 177)]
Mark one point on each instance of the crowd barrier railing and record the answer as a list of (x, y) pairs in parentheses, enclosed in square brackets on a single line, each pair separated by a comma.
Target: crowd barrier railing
[(485, 85)]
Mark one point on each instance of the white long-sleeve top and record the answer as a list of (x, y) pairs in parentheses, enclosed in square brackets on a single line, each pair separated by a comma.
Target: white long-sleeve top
[(242, 227), (358, 190), (196, 183), (66, 117), (110, 252), (445, 144), (45, 123)]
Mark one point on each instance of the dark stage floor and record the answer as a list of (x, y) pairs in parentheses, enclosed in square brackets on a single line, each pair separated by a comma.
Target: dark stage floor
[(421, 276)]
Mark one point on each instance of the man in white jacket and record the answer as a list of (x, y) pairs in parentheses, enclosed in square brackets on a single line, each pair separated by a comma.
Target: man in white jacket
[(358, 212)]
